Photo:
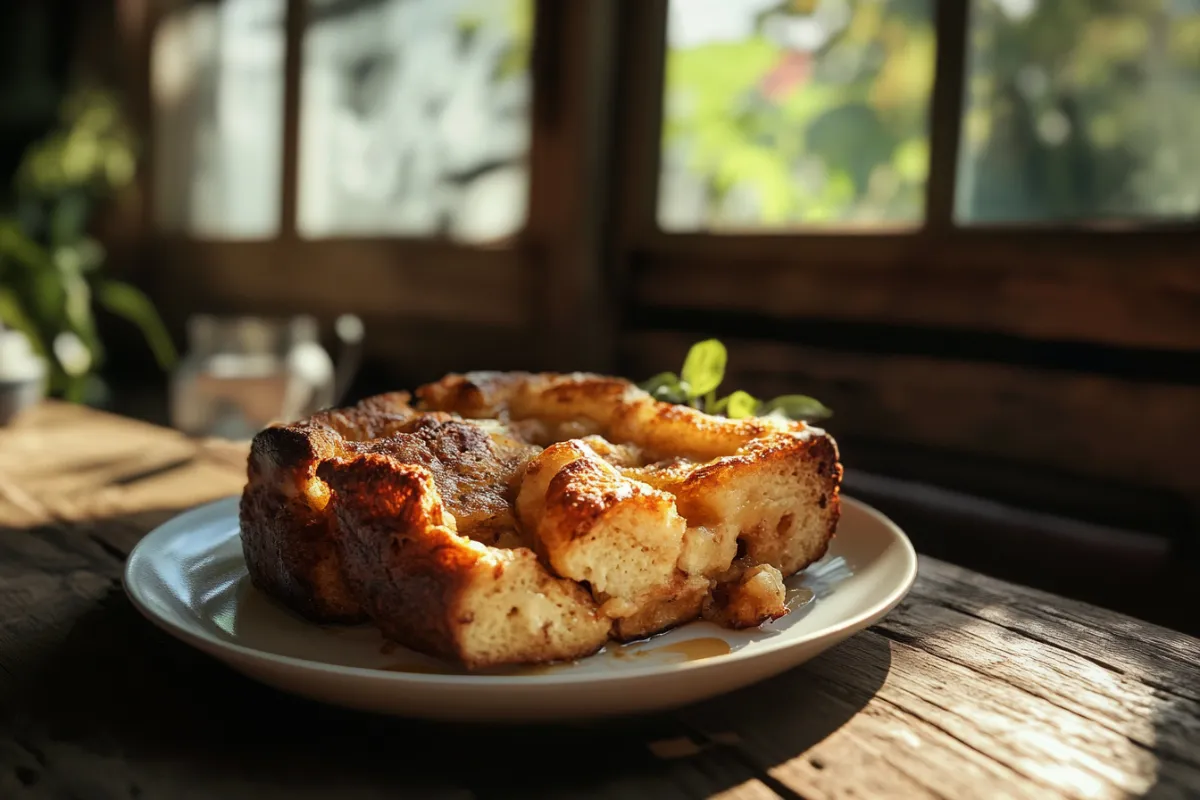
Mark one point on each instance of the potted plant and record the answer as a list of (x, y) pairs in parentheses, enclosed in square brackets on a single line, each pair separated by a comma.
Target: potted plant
[(52, 271)]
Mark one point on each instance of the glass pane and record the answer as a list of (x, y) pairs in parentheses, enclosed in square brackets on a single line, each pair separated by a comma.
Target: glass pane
[(1081, 109), (798, 113), (218, 101), (415, 118)]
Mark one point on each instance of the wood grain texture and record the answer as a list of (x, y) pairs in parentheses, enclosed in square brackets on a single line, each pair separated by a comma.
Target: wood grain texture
[(421, 280), (971, 688), (1067, 288)]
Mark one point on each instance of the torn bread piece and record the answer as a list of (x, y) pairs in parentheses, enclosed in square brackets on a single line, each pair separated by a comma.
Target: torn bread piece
[(442, 593)]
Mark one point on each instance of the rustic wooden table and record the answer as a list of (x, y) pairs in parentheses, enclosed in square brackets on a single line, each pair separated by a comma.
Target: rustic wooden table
[(971, 688)]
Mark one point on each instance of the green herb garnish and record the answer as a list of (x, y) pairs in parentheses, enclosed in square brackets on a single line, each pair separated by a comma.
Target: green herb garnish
[(704, 370)]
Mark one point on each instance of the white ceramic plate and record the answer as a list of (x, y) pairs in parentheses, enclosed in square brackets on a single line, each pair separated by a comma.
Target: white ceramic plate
[(189, 578)]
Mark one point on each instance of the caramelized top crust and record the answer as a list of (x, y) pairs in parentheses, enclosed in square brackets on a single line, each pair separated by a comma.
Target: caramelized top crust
[(474, 394), (474, 472), (289, 550), (612, 408), (372, 418)]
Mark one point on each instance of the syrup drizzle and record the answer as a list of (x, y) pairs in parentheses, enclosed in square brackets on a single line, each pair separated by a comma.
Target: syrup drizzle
[(690, 650)]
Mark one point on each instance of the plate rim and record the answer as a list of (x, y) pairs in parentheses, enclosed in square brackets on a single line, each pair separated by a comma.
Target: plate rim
[(213, 645)]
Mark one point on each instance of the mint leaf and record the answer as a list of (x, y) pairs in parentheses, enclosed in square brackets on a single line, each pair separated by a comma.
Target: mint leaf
[(704, 368), (741, 404), (667, 387), (799, 407)]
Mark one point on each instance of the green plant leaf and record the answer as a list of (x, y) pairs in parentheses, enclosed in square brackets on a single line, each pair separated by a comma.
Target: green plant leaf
[(702, 373), (13, 314), (704, 368), (25, 251), (665, 386), (74, 388), (77, 307), (130, 303), (34, 276), (46, 300), (798, 406), (741, 404), (68, 218)]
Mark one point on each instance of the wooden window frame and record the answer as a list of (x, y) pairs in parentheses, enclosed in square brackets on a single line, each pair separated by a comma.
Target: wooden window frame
[(1107, 283), (535, 296)]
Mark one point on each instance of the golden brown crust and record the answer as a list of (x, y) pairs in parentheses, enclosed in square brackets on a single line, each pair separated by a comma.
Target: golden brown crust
[(286, 535), (475, 395), (453, 530), (417, 578), (473, 475), (397, 554), (594, 525)]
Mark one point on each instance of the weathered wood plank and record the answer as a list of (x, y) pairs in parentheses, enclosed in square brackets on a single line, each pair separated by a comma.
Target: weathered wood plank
[(936, 727), (869, 742), (1122, 704), (419, 279), (115, 478), (1066, 288), (1160, 658)]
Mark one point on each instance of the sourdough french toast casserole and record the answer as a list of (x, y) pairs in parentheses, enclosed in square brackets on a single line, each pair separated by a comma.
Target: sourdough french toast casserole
[(517, 518)]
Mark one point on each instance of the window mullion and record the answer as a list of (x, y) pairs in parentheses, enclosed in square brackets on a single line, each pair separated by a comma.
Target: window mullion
[(946, 112), (296, 15)]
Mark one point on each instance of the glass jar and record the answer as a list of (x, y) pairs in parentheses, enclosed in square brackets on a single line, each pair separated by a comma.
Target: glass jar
[(240, 374)]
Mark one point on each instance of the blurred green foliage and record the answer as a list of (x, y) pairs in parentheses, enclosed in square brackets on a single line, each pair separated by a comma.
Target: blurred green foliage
[(51, 268), (1074, 109), (1081, 108), (836, 133), (517, 28)]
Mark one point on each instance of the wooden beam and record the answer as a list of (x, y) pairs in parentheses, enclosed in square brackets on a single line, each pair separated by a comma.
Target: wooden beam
[(294, 27), (137, 22), (406, 279), (1122, 290), (945, 113), (642, 73), (569, 186)]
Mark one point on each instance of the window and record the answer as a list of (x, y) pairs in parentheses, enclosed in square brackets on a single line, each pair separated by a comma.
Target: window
[(414, 118), (1080, 110), (217, 81), (787, 114), (417, 162)]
